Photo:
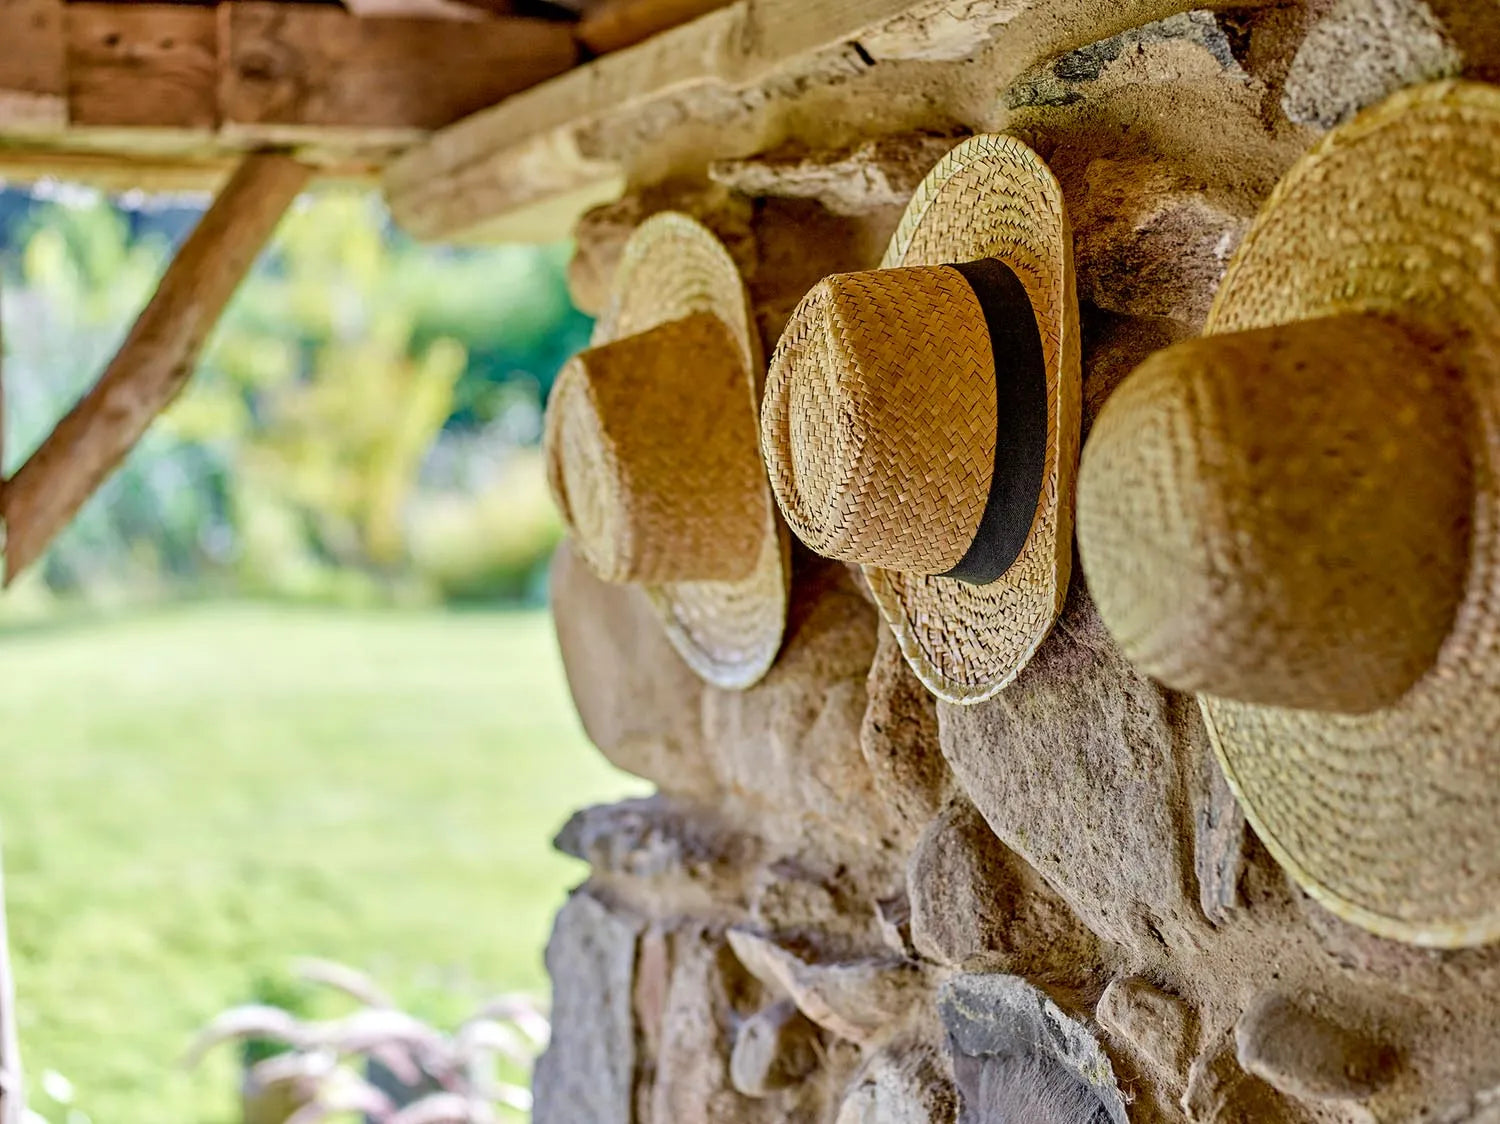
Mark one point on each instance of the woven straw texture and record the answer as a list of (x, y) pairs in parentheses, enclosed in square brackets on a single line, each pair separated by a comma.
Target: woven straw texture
[(878, 423), (1391, 819), (992, 197), (673, 267), (653, 459)]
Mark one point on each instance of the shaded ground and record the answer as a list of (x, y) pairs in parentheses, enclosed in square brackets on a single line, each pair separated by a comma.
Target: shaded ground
[(192, 798)]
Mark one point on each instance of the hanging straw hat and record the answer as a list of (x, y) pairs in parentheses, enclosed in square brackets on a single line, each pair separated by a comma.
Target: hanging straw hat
[(1299, 517), (653, 459), (922, 419)]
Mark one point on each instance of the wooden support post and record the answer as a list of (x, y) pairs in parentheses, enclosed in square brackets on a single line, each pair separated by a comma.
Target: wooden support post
[(154, 362)]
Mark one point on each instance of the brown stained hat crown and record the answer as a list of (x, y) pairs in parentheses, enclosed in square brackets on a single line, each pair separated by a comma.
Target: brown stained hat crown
[(653, 455), (878, 425), (1298, 517), (922, 419)]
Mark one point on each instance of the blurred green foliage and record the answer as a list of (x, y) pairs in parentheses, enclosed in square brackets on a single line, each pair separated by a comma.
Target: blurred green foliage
[(362, 427)]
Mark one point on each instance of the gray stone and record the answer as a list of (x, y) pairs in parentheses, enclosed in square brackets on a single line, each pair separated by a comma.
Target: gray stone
[(1309, 1055), (995, 1016), (653, 837), (588, 1070), (1362, 51), (774, 1048), (1156, 1026)]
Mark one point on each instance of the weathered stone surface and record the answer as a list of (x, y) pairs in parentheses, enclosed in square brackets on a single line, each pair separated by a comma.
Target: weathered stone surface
[(692, 1079), (1185, 44), (1308, 1055), (789, 746), (880, 173), (1156, 1026), (654, 837), (639, 703), (907, 1082), (995, 1016), (774, 1048), (893, 918), (899, 739), (977, 905), (588, 1071), (1219, 846), (601, 235), (1081, 768), (1219, 1091), (1150, 242), (855, 1000), (1360, 52)]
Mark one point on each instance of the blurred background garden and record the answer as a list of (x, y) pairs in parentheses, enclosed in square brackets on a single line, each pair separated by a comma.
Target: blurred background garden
[(285, 688)]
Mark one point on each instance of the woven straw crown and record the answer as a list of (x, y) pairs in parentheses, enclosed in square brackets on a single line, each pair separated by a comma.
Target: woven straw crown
[(1299, 517), (1251, 536), (878, 423), (651, 456)]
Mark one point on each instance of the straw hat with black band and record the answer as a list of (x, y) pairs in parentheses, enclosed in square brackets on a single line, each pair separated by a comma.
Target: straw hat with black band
[(1299, 517), (652, 453), (922, 419)]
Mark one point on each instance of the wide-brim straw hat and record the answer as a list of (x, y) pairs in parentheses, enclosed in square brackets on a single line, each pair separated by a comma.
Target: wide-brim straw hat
[(1299, 517), (653, 457), (922, 419)]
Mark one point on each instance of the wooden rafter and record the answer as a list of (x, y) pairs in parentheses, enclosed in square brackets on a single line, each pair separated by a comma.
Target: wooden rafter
[(153, 364)]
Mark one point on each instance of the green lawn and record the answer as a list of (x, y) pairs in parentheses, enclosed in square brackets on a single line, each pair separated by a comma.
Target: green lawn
[(196, 796)]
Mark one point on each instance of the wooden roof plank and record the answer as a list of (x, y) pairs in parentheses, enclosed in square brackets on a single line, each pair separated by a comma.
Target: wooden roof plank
[(33, 74), (142, 64)]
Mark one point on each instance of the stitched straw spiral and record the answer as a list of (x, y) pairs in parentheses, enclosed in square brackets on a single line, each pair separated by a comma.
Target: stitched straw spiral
[(1390, 817), (878, 424)]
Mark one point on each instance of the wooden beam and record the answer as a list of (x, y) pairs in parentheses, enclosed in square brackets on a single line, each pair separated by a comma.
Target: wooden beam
[(33, 79), (142, 65), (153, 364), (617, 24), (290, 68)]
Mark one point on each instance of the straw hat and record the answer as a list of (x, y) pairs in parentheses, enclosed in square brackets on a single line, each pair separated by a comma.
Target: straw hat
[(922, 419), (1299, 516), (652, 454)]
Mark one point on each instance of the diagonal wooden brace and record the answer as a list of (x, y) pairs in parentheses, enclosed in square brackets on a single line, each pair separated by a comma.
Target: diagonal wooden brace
[(153, 364)]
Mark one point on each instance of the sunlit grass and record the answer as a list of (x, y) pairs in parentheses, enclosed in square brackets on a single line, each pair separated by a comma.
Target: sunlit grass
[(194, 797)]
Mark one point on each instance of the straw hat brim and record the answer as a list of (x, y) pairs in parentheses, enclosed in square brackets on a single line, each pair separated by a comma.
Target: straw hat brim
[(1391, 819), (992, 197), (729, 632)]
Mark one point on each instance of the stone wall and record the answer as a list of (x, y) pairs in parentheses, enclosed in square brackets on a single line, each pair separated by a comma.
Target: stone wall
[(849, 903)]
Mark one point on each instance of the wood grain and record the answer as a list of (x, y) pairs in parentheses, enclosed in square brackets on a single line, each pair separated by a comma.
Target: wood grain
[(153, 364), (142, 64), (616, 24), (33, 78), (318, 66)]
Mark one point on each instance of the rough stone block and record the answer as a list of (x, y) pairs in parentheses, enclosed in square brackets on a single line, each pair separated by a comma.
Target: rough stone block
[(907, 1082), (899, 739), (977, 905), (877, 174), (639, 703), (1082, 768), (1155, 1025), (1150, 242), (773, 1049), (1362, 51), (1309, 1055), (588, 1071)]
